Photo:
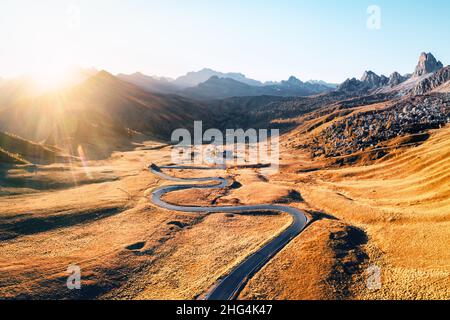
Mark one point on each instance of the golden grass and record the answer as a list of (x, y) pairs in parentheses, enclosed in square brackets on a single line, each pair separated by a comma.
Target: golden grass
[(22, 150), (11, 158), (311, 267), (129, 249), (126, 247), (252, 189), (404, 206), (197, 257)]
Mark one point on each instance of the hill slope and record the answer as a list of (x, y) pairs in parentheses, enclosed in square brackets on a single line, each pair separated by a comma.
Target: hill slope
[(16, 150), (103, 112), (149, 83)]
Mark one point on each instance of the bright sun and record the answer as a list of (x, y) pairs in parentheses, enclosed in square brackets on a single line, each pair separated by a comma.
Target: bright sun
[(52, 61), (52, 75)]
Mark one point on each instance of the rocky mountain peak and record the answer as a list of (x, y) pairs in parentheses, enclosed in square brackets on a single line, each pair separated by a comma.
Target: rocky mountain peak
[(427, 64), (350, 85), (368, 76), (372, 80), (294, 81), (395, 79)]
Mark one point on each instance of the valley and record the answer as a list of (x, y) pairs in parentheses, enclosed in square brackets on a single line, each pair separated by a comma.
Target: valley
[(367, 162)]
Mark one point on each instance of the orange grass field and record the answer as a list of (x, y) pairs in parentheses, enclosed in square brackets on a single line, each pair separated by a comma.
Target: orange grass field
[(393, 214)]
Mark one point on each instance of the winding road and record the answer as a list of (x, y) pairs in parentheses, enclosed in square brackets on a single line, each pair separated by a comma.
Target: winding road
[(230, 285)]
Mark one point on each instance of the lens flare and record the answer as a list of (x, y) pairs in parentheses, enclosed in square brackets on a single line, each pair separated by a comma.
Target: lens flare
[(83, 158)]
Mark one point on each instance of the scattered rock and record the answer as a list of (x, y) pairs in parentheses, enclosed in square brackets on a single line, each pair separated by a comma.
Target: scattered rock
[(433, 82), (366, 130)]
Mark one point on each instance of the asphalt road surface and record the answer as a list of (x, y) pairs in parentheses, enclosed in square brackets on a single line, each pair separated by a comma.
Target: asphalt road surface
[(230, 285)]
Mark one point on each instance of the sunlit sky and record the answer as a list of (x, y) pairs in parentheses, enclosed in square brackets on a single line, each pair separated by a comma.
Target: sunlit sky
[(266, 40)]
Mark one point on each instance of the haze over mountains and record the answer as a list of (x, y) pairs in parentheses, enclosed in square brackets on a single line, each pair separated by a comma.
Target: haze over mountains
[(149, 83), (220, 88), (104, 112), (193, 79), (208, 84), (26, 87)]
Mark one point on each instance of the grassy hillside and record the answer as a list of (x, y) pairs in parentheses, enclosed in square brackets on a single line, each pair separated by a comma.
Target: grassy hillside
[(102, 114), (348, 133), (10, 158), (14, 149), (404, 205), (117, 103)]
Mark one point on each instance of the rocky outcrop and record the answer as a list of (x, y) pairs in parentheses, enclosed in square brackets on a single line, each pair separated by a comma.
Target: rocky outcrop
[(433, 82), (292, 81), (396, 79), (369, 81), (427, 64), (351, 85), (372, 80), (365, 130), (383, 80)]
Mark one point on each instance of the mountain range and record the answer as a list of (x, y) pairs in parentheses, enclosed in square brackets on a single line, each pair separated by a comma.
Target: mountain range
[(193, 79), (101, 114), (208, 84), (104, 112), (427, 66), (368, 162), (220, 88)]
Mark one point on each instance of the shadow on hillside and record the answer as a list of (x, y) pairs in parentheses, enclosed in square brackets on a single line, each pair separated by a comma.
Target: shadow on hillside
[(23, 225), (318, 215), (44, 185)]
